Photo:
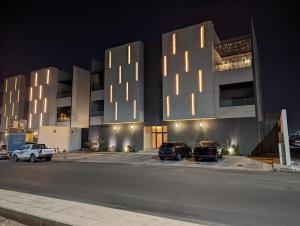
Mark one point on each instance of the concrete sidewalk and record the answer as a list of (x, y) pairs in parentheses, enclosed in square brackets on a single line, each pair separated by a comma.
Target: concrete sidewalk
[(52, 211)]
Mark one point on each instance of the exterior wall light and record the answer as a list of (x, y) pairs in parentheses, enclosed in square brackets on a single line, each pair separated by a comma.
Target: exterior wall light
[(176, 125), (201, 124), (115, 127), (131, 127), (6, 134)]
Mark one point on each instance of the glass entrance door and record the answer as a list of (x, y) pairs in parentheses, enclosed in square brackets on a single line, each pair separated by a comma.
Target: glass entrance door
[(159, 135)]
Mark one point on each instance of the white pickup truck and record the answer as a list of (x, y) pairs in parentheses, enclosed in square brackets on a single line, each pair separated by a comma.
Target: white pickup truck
[(33, 152)]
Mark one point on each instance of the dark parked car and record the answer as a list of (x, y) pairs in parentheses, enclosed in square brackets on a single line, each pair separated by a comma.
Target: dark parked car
[(207, 150), (174, 150)]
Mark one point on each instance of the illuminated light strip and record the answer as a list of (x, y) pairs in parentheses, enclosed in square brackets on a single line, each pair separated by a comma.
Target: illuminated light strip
[(174, 43), (126, 91), (30, 121), (165, 66), (41, 119), (109, 59), (177, 84), (41, 90), (4, 109), (18, 96), (202, 37), (134, 109), (120, 74), (189, 119), (36, 79), (30, 94), (16, 82), (48, 76), (35, 106), (10, 96), (129, 54), (168, 105), (186, 57), (12, 109), (136, 71), (6, 123), (6, 84), (45, 105), (110, 93), (193, 103), (200, 81), (116, 110)]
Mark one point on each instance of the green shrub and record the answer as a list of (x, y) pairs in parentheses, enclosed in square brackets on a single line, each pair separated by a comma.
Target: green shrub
[(131, 148)]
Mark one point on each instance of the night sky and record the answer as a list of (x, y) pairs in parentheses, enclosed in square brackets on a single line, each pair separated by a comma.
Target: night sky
[(35, 35)]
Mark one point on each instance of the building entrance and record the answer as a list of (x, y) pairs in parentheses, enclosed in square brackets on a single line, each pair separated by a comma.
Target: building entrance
[(159, 135)]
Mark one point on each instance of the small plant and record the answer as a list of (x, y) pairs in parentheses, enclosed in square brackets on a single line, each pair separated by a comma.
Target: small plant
[(131, 148), (225, 151), (90, 145), (100, 144)]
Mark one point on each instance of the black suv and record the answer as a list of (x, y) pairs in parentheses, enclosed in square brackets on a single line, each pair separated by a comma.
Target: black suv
[(174, 150), (207, 150)]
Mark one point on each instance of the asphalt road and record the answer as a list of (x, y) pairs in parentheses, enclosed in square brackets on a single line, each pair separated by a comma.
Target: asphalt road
[(190, 194)]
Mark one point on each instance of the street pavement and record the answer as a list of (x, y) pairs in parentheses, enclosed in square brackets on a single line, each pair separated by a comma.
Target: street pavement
[(189, 194)]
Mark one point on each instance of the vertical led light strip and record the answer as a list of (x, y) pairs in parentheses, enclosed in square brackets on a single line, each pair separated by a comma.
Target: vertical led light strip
[(48, 77), (6, 123), (193, 103), (45, 105), (126, 91), (41, 91), (165, 65), (200, 81), (18, 97), (41, 119), (4, 109), (36, 79), (30, 120), (116, 110), (35, 106), (120, 74), (177, 84), (6, 84), (109, 59), (110, 93), (13, 109), (16, 82), (168, 105), (136, 71), (10, 96), (129, 54), (134, 109), (30, 94), (186, 57), (202, 36), (174, 43)]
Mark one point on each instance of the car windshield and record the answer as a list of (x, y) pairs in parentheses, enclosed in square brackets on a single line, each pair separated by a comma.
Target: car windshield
[(167, 145), (206, 143), (39, 146)]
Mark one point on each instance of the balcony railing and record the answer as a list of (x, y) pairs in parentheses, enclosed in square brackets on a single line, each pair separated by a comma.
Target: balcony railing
[(63, 95), (237, 102), (63, 119)]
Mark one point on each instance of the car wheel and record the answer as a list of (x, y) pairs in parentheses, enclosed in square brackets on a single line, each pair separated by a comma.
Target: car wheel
[(162, 158), (196, 159), (48, 159), (32, 158), (15, 158), (178, 156)]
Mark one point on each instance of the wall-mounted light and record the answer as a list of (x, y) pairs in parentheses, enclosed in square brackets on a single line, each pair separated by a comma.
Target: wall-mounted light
[(6, 134), (115, 128), (186, 59), (131, 126), (176, 125), (129, 54), (48, 76), (174, 44), (120, 74), (36, 79), (202, 37), (201, 124), (16, 82), (30, 94), (109, 59), (165, 66)]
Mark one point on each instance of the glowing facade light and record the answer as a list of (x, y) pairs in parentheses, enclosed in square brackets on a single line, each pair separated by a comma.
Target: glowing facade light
[(134, 109), (30, 121), (116, 110), (109, 59), (6, 85), (120, 74), (18, 96), (174, 44), (186, 60), (10, 96), (115, 128), (129, 54), (202, 37), (41, 119), (12, 109), (110, 93), (30, 94), (176, 125), (4, 109), (48, 77), (177, 84), (35, 106), (131, 127), (36, 79), (200, 81), (136, 71), (126, 91), (193, 104), (165, 66), (45, 105), (6, 122), (41, 92), (168, 105), (16, 83), (201, 124)]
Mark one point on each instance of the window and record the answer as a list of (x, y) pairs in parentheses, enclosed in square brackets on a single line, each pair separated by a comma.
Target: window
[(116, 110), (109, 59), (30, 121), (110, 93), (40, 93), (35, 106), (36, 79), (45, 105), (30, 94), (237, 94), (134, 109), (186, 59), (136, 71), (63, 114), (48, 76), (120, 74), (129, 54), (193, 104), (165, 66), (202, 36), (168, 105), (18, 97), (177, 84), (126, 91), (41, 119), (174, 44), (200, 81), (16, 82), (97, 108)]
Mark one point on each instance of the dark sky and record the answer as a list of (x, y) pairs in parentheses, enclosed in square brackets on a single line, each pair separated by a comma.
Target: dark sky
[(64, 33)]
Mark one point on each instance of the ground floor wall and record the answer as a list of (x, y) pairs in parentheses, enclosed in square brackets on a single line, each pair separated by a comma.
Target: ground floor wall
[(240, 134)]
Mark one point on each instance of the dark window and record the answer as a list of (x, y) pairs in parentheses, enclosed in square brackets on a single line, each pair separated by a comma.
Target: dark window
[(97, 81), (237, 94), (63, 114), (97, 108), (39, 146)]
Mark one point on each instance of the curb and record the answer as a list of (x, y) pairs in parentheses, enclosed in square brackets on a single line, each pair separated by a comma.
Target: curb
[(28, 219)]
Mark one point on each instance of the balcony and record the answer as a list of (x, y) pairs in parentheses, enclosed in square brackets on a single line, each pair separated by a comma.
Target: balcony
[(96, 113), (234, 62)]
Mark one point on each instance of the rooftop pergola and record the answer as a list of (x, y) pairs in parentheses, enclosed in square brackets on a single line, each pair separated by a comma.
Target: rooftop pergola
[(235, 46)]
